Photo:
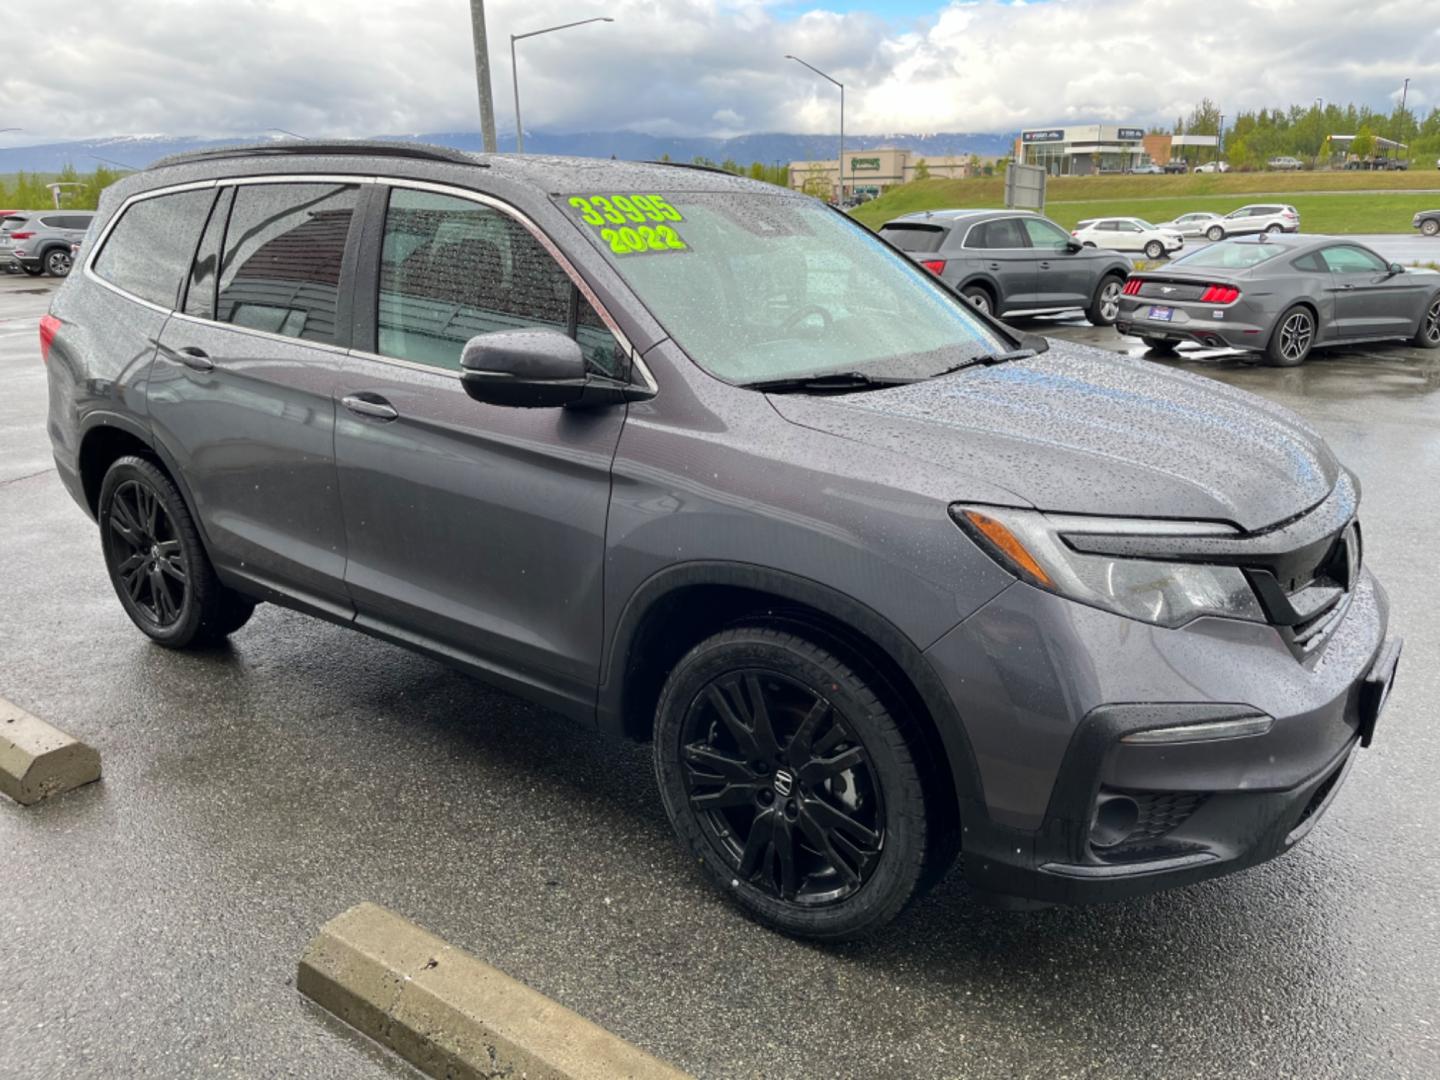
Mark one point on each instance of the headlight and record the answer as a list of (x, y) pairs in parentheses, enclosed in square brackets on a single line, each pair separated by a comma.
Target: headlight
[(1032, 546)]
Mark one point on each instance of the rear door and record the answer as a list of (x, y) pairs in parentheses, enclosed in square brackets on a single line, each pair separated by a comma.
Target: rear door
[(476, 530), (242, 390), (1369, 300), (1001, 248), (1063, 275)]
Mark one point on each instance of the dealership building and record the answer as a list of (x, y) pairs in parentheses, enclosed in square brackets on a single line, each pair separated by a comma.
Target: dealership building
[(872, 172), (1087, 149)]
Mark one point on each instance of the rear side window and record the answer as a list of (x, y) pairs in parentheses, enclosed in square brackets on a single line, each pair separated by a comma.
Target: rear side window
[(921, 239), (1309, 262), (149, 249), (283, 250), (1000, 233), (451, 269)]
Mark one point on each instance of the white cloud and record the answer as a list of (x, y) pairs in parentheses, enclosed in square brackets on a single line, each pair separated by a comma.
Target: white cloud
[(356, 67)]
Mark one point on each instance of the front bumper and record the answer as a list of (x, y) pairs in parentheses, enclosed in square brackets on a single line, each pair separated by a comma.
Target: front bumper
[(1048, 690)]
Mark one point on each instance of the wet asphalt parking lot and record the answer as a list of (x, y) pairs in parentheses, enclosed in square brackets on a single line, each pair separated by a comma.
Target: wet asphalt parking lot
[(150, 924)]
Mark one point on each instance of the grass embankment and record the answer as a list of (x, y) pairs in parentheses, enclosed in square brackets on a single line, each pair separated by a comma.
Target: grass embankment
[(1328, 202)]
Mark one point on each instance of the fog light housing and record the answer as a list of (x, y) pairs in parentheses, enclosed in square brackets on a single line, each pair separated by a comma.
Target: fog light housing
[(1116, 817)]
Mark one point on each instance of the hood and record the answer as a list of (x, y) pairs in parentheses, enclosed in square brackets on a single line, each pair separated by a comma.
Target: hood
[(1078, 430)]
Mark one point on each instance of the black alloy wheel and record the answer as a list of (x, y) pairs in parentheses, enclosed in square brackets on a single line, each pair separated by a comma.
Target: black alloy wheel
[(1292, 339), (157, 563), (789, 779), (784, 789), (146, 554)]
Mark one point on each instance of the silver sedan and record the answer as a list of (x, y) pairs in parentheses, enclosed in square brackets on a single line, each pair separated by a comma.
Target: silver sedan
[(1281, 295), (1200, 223)]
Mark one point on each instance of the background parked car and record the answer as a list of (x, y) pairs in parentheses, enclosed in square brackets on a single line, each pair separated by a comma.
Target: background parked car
[(1007, 261), (40, 240), (1213, 167), (1258, 218), (1283, 296), (1129, 234), (1427, 221), (1285, 163), (1148, 169), (1177, 167), (1201, 223), (10, 220)]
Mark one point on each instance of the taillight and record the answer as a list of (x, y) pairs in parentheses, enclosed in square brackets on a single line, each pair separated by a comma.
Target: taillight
[(21, 235), (1219, 294), (49, 324), (935, 266), (1132, 287)]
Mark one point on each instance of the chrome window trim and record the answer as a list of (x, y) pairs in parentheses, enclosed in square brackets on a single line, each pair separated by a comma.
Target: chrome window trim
[(637, 364), (324, 345)]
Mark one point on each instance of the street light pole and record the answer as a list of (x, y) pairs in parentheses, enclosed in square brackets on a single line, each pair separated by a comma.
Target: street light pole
[(482, 75), (841, 162), (515, 70)]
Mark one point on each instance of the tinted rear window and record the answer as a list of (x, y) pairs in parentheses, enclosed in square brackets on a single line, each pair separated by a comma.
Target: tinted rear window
[(920, 239), (283, 249), (149, 249)]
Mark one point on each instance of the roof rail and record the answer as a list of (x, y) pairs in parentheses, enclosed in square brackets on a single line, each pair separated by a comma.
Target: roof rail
[(316, 147), (697, 168)]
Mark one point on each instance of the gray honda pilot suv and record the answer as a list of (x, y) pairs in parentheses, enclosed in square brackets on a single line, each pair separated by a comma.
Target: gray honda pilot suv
[(696, 460)]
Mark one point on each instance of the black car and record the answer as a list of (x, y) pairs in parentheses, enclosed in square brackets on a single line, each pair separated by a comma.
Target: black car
[(1012, 261), (699, 461), (1427, 221)]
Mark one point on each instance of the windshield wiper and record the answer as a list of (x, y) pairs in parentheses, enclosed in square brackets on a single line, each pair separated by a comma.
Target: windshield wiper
[(834, 382), (987, 359)]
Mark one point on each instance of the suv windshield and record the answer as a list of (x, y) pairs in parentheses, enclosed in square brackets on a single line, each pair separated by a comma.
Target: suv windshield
[(758, 287)]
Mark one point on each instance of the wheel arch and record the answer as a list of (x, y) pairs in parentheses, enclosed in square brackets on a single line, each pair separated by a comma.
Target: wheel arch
[(986, 282), (106, 436), (682, 605)]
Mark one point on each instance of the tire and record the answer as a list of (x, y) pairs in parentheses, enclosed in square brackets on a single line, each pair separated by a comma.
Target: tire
[(157, 564), (1271, 230), (1154, 250), (57, 262), (1104, 306), (1163, 346), (1292, 339), (820, 770), (1428, 336), (1430, 226), (979, 297), (1088, 243), (33, 269), (1215, 234)]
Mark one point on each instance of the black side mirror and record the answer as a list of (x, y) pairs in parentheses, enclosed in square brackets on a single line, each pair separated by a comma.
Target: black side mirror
[(1396, 268), (1034, 342), (1073, 246), (525, 368)]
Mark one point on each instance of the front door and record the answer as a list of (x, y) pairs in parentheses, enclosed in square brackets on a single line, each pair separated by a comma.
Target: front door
[(241, 391), (1369, 300), (1064, 276), (475, 530)]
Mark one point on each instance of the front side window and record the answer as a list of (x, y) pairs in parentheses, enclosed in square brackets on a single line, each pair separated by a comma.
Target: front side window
[(1046, 236), (451, 268), (284, 246), (758, 287), (1352, 260), (149, 249)]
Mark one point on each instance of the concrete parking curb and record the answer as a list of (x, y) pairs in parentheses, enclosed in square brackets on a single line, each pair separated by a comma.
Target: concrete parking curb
[(37, 760), (451, 1015)]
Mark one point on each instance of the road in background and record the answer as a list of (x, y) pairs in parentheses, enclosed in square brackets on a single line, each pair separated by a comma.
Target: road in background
[(150, 924)]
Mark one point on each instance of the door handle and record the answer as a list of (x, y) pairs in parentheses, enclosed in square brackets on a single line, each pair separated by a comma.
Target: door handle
[(1044, 266), (995, 266), (375, 407), (195, 359)]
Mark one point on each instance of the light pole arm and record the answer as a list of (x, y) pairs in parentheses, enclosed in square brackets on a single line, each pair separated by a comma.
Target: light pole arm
[(515, 70), (840, 170)]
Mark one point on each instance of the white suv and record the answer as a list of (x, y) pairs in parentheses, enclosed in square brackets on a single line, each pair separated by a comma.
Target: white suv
[(1259, 218)]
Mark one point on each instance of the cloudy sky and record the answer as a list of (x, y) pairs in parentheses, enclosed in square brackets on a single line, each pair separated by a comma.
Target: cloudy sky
[(714, 67)]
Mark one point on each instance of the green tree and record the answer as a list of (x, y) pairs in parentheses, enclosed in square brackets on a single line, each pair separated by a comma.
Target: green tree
[(817, 183), (1363, 145), (922, 169)]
